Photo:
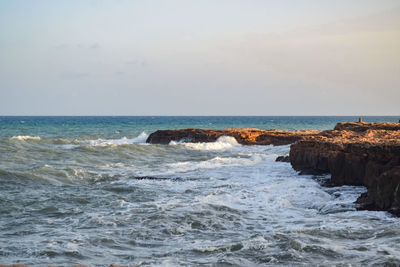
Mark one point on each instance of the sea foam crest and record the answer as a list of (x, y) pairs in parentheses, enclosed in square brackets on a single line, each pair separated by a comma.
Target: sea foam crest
[(25, 137), (223, 142), (141, 138), (217, 162)]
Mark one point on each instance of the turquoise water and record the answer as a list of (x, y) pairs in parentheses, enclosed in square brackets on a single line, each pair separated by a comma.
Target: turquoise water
[(103, 127), (89, 190)]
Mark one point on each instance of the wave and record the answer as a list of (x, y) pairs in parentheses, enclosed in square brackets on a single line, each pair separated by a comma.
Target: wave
[(223, 142), (217, 162), (140, 139), (181, 170), (25, 137)]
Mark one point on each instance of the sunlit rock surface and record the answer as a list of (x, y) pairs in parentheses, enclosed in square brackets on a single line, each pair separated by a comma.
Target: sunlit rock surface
[(243, 136)]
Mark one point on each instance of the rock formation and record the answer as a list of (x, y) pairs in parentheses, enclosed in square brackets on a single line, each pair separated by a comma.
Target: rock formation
[(283, 158), (364, 126), (249, 136), (365, 154)]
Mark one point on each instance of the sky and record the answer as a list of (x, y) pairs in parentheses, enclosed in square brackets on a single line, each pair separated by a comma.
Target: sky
[(200, 57)]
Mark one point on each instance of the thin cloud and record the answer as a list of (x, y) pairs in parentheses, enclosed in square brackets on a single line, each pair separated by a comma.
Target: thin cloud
[(74, 75), (61, 46), (93, 46), (131, 62), (141, 63)]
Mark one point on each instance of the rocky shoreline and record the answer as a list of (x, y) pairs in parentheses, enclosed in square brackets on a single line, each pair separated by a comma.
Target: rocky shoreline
[(354, 153), (365, 154)]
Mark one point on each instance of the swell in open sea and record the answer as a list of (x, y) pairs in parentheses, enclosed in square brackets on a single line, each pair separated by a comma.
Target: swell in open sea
[(89, 190)]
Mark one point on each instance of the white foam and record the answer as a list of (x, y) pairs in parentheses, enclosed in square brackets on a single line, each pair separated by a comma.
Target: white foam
[(113, 165), (256, 243), (69, 146), (217, 162), (223, 142), (25, 137), (141, 138)]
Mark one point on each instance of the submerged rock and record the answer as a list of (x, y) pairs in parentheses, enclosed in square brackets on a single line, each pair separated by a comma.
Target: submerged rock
[(365, 154), (248, 136), (283, 158)]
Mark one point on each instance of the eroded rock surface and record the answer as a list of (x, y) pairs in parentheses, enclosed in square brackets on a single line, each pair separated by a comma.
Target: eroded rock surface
[(356, 154)]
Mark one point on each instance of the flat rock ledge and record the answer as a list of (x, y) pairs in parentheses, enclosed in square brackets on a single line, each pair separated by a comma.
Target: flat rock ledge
[(365, 154), (249, 136)]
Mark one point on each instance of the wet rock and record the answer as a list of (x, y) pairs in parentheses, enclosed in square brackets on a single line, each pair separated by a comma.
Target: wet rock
[(283, 158)]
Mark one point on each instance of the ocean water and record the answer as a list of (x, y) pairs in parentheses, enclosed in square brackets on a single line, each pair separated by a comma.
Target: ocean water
[(89, 190)]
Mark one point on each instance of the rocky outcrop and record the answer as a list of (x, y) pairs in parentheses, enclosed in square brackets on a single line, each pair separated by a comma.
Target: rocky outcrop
[(365, 154), (243, 136), (283, 158), (365, 126)]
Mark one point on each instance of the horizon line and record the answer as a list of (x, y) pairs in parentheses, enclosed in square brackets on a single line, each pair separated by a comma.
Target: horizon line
[(200, 115)]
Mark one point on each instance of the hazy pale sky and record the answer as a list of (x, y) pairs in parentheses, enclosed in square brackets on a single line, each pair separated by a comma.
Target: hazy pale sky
[(200, 57)]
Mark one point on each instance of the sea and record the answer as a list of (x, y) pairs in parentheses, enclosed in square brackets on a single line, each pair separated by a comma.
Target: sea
[(91, 191)]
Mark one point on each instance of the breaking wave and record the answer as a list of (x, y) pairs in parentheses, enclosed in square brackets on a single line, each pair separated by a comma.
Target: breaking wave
[(223, 142), (25, 137), (122, 141), (217, 162)]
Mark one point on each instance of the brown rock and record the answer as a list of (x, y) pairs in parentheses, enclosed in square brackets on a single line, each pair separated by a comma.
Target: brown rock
[(363, 126), (356, 154), (248, 136)]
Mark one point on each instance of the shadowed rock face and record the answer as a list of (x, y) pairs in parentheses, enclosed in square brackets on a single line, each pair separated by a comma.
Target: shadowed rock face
[(356, 154), (242, 136)]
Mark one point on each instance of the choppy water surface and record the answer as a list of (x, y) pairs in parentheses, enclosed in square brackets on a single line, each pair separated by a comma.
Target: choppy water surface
[(90, 191)]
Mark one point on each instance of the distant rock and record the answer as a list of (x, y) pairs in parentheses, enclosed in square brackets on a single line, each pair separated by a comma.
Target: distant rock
[(245, 136), (365, 126)]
